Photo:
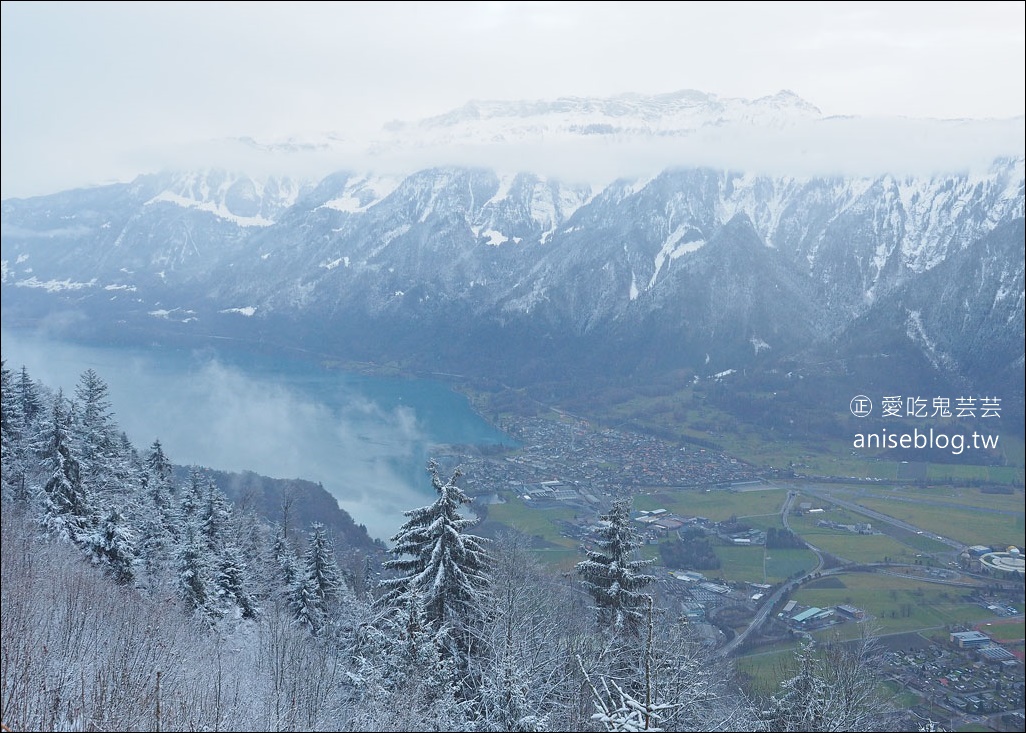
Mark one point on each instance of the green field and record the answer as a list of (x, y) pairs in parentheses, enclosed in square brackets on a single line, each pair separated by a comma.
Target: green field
[(949, 511), (922, 542), (963, 524), (739, 563), (959, 497), (564, 560), (964, 497), (763, 670), (1000, 631), (896, 603), (759, 565), (898, 697), (534, 522), (848, 545), (715, 504), (782, 564)]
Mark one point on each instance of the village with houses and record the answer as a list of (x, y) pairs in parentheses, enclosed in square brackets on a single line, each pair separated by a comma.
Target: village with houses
[(784, 570)]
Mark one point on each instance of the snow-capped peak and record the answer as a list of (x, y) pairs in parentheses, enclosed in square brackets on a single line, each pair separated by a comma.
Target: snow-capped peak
[(621, 116)]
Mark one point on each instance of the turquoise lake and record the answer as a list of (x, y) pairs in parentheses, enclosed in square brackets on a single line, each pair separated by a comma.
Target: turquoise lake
[(367, 439)]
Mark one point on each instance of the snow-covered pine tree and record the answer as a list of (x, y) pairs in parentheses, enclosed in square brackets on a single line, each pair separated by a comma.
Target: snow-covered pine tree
[(112, 544), (401, 668), (319, 586), (193, 569), (230, 581), (32, 404), (214, 515), (159, 518), (801, 702), (12, 431), (28, 412), (505, 702), (8, 408), (190, 504), (284, 560), (98, 445), (521, 670), (66, 511), (612, 575), (320, 565), (227, 569), (303, 604), (192, 561), (438, 559), (159, 478)]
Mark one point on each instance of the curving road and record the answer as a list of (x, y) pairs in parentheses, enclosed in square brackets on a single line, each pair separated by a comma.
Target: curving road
[(770, 603)]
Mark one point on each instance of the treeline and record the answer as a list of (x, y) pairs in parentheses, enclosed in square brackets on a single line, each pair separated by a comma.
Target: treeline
[(136, 600), (691, 551), (778, 538)]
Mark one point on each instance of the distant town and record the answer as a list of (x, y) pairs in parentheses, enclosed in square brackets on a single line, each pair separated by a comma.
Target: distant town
[(568, 460), (964, 674)]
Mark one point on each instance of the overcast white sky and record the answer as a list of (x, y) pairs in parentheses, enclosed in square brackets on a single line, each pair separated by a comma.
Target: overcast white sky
[(92, 92)]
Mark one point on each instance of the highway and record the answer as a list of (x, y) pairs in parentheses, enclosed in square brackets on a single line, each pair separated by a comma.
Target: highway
[(790, 586), (880, 517), (770, 603)]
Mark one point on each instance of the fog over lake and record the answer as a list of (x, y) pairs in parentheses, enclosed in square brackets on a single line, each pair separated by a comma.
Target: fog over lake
[(366, 439)]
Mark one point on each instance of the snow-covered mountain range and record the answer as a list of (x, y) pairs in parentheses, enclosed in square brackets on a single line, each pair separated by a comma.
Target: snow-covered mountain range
[(519, 274), (626, 115)]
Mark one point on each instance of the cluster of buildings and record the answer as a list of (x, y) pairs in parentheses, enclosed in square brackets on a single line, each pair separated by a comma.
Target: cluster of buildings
[(806, 507), (1006, 562), (955, 678), (656, 523), (590, 463), (983, 644), (859, 528), (812, 617)]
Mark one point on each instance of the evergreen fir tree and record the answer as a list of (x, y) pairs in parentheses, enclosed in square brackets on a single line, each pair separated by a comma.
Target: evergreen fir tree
[(802, 702), (214, 517), (12, 434), (835, 687), (192, 554), (159, 519), (613, 578), (437, 559), (27, 392), (318, 587), (231, 582), (505, 698), (303, 604), (189, 505), (66, 510), (284, 559), (8, 410), (401, 668), (112, 545), (320, 566), (159, 479), (23, 412), (193, 569), (98, 443)]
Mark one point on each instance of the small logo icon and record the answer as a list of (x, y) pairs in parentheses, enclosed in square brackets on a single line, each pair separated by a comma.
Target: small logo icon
[(861, 405)]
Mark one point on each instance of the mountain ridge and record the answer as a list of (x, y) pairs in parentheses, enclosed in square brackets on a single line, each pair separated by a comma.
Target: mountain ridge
[(506, 271)]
